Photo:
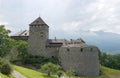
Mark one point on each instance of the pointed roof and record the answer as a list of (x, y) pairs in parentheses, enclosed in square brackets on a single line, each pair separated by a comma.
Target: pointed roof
[(38, 21)]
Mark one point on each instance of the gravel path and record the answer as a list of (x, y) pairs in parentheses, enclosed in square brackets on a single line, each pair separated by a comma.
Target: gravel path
[(63, 77), (16, 74)]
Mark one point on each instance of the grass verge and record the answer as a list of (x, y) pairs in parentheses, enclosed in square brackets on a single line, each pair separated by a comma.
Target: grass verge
[(4, 76), (31, 73), (106, 73)]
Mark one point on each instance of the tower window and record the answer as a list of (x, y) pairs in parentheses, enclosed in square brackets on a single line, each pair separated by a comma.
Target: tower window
[(81, 49), (68, 49)]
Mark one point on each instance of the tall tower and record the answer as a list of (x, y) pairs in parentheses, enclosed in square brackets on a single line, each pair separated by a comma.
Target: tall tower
[(38, 36)]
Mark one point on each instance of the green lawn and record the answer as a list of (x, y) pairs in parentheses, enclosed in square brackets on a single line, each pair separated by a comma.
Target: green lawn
[(111, 73), (106, 73), (4, 76), (31, 73)]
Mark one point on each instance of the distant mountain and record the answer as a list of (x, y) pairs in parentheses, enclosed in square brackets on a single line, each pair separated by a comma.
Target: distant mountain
[(106, 41)]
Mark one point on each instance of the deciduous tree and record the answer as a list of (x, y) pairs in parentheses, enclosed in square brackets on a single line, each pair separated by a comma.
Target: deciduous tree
[(50, 68), (70, 73), (5, 41)]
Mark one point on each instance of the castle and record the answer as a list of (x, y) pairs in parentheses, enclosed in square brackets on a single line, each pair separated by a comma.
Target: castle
[(72, 54)]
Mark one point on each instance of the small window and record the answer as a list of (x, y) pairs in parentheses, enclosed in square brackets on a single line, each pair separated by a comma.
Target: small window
[(68, 49), (53, 57), (91, 49), (81, 49), (41, 32), (41, 35)]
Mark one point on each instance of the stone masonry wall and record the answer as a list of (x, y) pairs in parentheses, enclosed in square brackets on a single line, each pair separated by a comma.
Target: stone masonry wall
[(84, 61), (37, 39), (52, 52)]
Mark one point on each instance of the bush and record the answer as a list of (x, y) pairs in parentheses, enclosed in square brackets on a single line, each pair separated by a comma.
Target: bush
[(50, 68), (109, 60), (60, 73), (70, 73), (38, 61), (1, 62), (6, 69)]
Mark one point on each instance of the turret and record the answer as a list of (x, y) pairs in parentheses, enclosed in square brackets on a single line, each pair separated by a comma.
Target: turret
[(39, 32)]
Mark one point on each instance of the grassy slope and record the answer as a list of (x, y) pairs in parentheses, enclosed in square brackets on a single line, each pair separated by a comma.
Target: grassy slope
[(31, 73), (4, 76), (106, 73), (111, 73)]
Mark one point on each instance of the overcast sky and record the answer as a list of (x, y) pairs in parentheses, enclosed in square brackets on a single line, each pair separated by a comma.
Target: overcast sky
[(66, 18)]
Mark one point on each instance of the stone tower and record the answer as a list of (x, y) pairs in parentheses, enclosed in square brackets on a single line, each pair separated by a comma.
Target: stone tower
[(38, 36)]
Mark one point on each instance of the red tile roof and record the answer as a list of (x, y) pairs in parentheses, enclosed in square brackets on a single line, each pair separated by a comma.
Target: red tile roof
[(38, 21)]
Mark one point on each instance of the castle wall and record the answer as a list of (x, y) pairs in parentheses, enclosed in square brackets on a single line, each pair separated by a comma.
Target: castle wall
[(84, 61), (51, 52), (37, 39)]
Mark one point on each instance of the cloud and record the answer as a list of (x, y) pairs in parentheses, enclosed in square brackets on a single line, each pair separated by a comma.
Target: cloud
[(69, 27), (67, 15), (3, 23), (66, 18), (105, 16), (7, 26)]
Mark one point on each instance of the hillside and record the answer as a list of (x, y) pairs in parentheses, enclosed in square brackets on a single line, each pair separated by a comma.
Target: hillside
[(31, 73), (106, 73), (111, 73), (4, 76)]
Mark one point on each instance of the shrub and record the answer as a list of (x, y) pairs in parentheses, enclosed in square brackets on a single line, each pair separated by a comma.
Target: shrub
[(1, 62), (38, 61), (60, 73), (70, 73), (50, 68), (6, 69)]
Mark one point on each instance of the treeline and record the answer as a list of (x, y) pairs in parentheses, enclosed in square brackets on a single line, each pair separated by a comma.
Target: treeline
[(5, 50), (109, 60)]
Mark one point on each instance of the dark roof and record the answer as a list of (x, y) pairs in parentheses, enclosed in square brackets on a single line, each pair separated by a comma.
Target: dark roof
[(54, 45), (38, 21), (25, 38)]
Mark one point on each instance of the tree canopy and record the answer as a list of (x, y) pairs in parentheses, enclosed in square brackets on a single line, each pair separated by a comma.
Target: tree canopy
[(50, 68), (109, 60), (5, 41)]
